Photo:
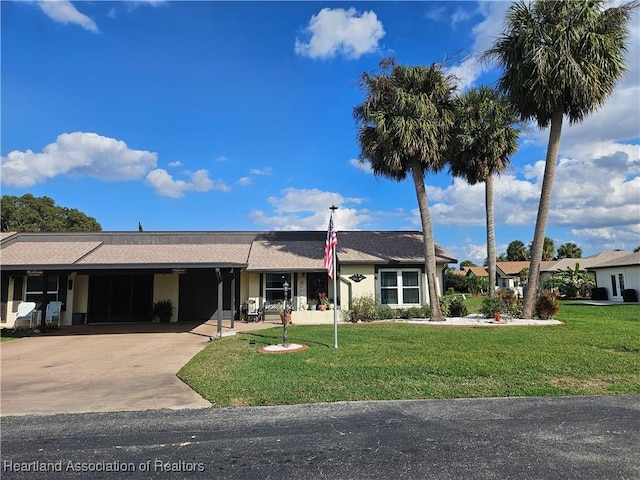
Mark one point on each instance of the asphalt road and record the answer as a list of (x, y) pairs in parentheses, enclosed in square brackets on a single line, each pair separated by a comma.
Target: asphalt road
[(591, 437)]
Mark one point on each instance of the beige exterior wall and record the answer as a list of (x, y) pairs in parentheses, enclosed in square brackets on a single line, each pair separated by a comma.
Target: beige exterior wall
[(80, 294), (368, 287), (166, 286), (351, 290)]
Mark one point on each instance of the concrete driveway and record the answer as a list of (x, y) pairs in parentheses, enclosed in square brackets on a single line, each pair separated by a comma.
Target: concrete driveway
[(102, 368)]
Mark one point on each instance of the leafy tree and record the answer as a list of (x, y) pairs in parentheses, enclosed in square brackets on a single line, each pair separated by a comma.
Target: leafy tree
[(569, 250), (404, 128), (517, 252), (485, 137), (559, 58), (548, 250), (457, 282), (637, 249), (40, 214), (467, 263), (502, 258), (571, 282), (477, 285)]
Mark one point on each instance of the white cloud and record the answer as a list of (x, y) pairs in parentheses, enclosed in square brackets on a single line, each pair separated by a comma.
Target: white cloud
[(165, 185), (304, 200), (77, 154), (339, 31), (175, 164), (244, 181), (596, 196), (470, 251), (308, 209), (362, 166), (460, 15), (63, 11), (485, 32), (261, 171), (435, 13)]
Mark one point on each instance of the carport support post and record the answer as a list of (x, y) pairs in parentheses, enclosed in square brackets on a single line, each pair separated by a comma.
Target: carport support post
[(219, 276), (43, 320)]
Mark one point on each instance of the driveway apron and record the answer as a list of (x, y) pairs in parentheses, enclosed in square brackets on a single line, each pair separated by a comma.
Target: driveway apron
[(101, 368)]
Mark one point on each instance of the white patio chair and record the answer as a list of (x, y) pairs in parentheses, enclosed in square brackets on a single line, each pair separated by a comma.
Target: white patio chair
[(25, 313), (53, 313)]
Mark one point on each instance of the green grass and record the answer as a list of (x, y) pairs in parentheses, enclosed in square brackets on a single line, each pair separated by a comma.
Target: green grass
[(597, 351)]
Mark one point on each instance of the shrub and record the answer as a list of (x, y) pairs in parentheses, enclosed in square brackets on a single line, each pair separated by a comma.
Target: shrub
[(363, 309), (491, 306), (416, 312), (457, 308), (385, 312), (367, 309), (163, 310), (511, 304), (629, 295), (547, 305)]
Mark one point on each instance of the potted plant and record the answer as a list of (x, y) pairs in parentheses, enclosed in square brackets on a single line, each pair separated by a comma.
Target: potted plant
[(286, 312), (313, 304), (163, 310), (323, 301)]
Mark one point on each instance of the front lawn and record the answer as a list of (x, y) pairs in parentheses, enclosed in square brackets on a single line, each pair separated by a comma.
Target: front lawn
[(597, 351)]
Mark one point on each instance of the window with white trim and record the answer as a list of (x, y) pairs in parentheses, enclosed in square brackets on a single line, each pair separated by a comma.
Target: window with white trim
[(400, 287), (273, 289)]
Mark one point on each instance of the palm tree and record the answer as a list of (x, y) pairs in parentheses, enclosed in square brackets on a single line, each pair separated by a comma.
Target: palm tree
[(485, 137), (517, 252), (548, 249), (404, 127), (559, 58), (569, 250)]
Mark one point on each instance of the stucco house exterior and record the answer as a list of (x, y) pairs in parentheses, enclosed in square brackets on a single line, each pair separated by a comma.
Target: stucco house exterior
[(618, 274), (107, 277), (548, 269)]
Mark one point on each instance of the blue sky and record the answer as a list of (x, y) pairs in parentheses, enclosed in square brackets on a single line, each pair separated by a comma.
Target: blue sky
[(238, 116)]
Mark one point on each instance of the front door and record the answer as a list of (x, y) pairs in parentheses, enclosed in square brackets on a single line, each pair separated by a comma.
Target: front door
[(617, 285)]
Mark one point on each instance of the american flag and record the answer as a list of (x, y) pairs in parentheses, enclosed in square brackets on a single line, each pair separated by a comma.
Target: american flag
[(329, 247)]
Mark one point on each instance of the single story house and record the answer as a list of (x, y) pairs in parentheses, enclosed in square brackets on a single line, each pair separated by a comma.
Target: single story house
[(105, 277), (618, 274), (548, 269), (481, 272)]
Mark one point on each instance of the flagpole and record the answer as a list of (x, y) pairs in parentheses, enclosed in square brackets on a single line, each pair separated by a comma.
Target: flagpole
[(333, 208)]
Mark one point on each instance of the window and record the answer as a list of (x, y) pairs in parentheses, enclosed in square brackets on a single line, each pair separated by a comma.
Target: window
[(400, 287), (35, 286), (273, 286)]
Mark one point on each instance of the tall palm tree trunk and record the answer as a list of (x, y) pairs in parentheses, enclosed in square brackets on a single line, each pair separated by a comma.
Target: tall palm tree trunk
[(491, 234), (543, 211), (429, 244)]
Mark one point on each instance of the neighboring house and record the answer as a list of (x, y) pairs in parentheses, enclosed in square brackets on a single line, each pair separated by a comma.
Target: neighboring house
[(548, 269), (477, 272), (618, 274), (508, 274), (117, 276)]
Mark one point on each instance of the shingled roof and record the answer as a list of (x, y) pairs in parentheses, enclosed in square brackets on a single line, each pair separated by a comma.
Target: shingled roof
[(258, 251)]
